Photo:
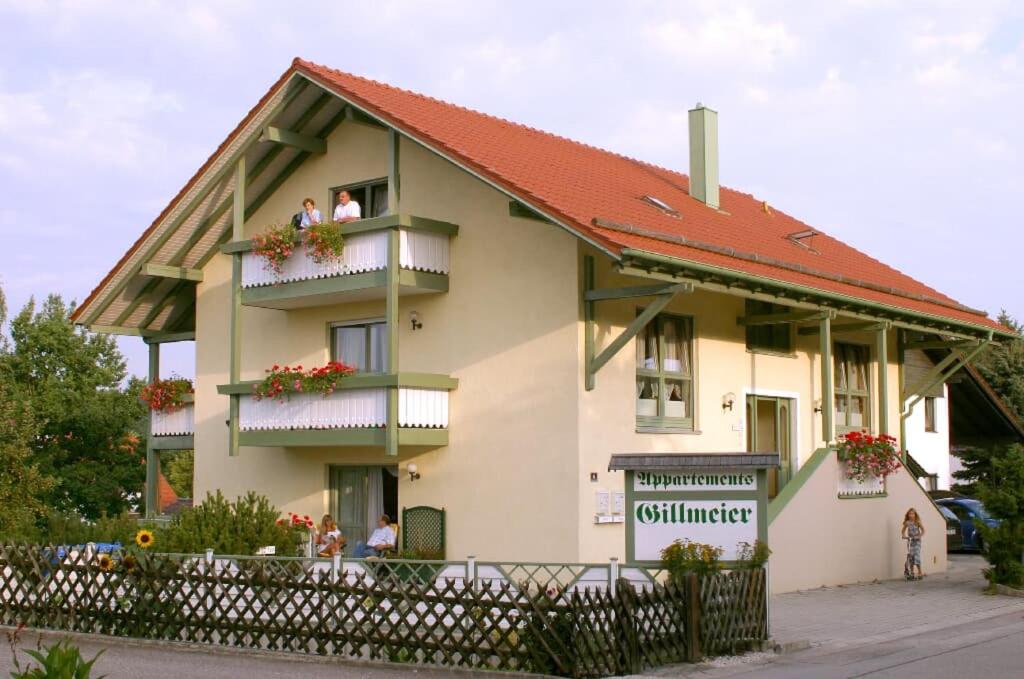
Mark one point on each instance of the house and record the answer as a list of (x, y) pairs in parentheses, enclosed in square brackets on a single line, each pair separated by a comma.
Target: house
[(520, 307)]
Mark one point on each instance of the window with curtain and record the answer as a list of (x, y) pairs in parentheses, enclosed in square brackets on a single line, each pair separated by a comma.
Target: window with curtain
[(929, 414), (360, 345), (852, 388), (372, 196), (664, 374), (777, 337)]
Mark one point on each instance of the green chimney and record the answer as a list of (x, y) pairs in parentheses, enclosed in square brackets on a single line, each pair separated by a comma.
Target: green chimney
[(704, 155)]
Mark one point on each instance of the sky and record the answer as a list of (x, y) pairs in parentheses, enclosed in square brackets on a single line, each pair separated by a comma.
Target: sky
[(892, 125)]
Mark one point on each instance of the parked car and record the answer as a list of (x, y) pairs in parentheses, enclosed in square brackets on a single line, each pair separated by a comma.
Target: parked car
[(954, 531), (972, 514)]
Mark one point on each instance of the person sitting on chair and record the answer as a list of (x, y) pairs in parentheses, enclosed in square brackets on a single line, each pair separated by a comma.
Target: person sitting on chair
[(382, 540), (328, 539), (309, 215)]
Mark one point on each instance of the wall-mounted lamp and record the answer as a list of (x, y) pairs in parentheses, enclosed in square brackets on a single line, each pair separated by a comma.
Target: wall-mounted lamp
[(727, 401), (413, 470), (817, 405), (414, 317)]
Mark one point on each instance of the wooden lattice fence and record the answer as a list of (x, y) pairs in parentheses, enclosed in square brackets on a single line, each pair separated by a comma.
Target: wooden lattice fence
[(387, 610)]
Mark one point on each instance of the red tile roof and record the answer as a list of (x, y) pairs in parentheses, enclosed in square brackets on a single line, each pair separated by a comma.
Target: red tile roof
[(577, 184)]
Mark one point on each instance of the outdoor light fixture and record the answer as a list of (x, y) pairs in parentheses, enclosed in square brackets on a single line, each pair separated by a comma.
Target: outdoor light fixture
[(727, 401), (413, 471), (817, 405), (415, 318)]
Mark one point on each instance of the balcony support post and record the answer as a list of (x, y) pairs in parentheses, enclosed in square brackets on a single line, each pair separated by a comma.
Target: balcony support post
[(152, 501), (391, 293), (235, 350), (882, 348), (828, 394)]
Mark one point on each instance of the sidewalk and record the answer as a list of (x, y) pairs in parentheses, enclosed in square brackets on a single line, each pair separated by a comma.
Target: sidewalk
[(854, 615)]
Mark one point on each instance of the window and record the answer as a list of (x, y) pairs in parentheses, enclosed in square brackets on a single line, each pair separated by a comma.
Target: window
[(372, 197), (664, 374), (362, 345), (851, 386), (777, 337), (929, 414)]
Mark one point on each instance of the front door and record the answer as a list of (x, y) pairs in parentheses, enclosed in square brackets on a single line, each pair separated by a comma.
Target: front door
[(348, 501), (769, 430)]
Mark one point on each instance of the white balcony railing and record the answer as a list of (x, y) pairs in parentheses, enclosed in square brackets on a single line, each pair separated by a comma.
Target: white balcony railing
[(345, 409), (181, 422), (848, 487), (363, 252)]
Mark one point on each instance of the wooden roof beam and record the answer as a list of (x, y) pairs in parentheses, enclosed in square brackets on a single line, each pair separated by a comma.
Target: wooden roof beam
[(303, 142), (180, 273)]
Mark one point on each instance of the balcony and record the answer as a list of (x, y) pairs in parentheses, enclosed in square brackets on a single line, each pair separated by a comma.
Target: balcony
[(362, 271), (354, 415), (173, 430)]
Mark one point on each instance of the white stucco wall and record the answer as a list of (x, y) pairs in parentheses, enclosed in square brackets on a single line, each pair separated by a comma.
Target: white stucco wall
[(931, 449)]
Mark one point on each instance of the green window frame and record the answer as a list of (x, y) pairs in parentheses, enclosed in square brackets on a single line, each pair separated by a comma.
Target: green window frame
[(665, 377), (372, 355), (372, 196), (775, 338), (852, 379)]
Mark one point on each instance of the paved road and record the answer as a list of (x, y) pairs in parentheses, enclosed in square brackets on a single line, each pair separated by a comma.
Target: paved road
[(985, 648), (132, 661), (942, 626)]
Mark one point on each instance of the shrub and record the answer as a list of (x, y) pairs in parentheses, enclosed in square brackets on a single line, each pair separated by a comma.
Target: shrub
[(683, 557), (1002, 493), (57, 660), (64, 528), (239, 527), (752, 556)]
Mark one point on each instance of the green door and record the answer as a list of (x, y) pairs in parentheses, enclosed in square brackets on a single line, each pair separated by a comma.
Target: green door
[(769, 430), (348, 502)]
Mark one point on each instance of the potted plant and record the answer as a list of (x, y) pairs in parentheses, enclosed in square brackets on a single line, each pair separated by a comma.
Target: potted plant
[(167, 396), (866, 457)]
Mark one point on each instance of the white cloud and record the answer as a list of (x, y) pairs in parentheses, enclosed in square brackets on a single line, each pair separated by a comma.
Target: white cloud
[(734, 38), (85, 117)]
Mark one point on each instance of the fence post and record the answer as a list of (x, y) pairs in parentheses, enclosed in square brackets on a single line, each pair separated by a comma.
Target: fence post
[(624, 602), (335, 566), (693, 613), (208, 584), (613, 575), (471, 571)]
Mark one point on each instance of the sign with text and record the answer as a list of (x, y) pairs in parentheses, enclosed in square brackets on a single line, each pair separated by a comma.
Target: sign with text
[(723, 523), (720, 506), (705, 479)]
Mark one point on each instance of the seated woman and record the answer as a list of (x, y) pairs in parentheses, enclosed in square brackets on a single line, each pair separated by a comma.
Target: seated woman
[(382, 540), (310, 215), (329, 539)]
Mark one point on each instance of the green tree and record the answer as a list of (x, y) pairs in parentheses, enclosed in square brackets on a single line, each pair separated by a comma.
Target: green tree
[(1002, 366), (1002, 493), (86, 420), (22, 485), (178, 467)]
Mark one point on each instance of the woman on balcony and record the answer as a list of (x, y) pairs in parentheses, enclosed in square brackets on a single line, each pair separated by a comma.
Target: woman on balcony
[(310, 215)]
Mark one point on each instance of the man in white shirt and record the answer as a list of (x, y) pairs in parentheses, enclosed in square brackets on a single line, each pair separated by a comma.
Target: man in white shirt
[(383, 539), (347, 209)]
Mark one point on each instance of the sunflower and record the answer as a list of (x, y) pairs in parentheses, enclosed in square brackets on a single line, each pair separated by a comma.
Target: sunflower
[(144, 538), (129, 563), (105, 562)]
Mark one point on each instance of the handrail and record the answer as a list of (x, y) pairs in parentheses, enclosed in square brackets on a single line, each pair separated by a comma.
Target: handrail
[(402, 221), (365, 381)]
